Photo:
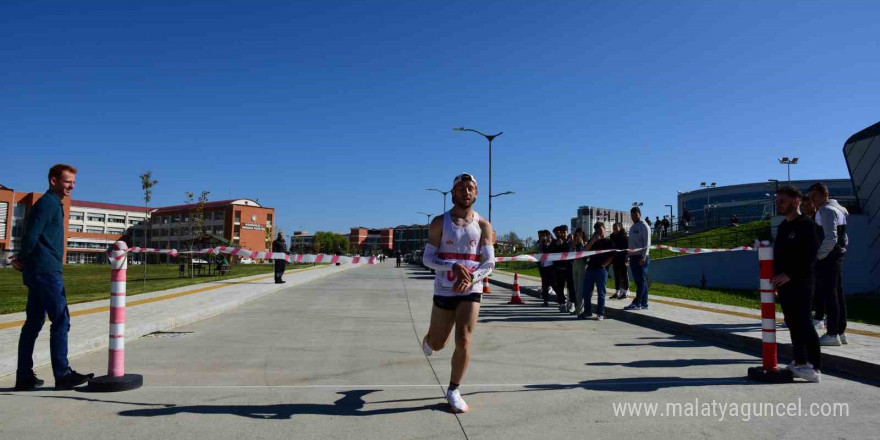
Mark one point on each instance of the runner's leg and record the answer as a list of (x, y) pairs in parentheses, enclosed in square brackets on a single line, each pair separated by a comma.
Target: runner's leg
[(440, 328), (465, 321)]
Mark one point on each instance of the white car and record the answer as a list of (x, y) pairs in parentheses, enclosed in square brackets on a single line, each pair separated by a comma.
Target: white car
[(247, 261)]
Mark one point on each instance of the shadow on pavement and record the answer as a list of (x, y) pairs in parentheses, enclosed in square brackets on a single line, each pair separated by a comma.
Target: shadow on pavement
[(670, 344), (645, 384), (674, 363), (81, 399), (351, 404)]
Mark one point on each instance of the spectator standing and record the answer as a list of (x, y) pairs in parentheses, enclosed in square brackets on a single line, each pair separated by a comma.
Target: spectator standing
[(621, 277), (831, 217), (596, 272), (40, 261), (794, 257), (687, 221), (545, 268), (809, 210), (639, 238), (578, 267), (279, 246), (562, 270)]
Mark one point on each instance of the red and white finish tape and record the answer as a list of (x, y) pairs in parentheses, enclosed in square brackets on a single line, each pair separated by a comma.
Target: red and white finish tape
[(118, 269), (261, 255), (564, 256), (768, 307)]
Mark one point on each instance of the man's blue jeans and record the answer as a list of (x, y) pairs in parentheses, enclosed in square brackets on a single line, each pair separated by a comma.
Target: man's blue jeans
[(597, 277), (46, 297), (640, 274)]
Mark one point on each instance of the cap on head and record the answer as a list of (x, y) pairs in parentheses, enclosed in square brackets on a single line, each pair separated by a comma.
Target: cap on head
[(463, 177)]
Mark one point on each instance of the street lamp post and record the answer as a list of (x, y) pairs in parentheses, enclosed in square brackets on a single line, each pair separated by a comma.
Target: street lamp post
[(773, 199), (706, 214), (789, 163), (488, 137), (421, 233), (441, 192)]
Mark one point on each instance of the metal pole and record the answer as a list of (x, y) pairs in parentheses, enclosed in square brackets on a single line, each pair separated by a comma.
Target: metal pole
[(490, 180), (707, 208)]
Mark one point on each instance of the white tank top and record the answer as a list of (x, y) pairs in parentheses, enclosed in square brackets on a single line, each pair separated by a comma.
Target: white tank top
[(459, 244)]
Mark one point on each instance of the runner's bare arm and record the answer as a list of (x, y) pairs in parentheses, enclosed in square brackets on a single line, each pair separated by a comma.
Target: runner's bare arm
[(430, 258), (487, 250)]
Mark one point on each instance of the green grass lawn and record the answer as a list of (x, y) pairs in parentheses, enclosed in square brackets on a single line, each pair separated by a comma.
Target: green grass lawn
[(724, 238), (860, 308), (90, 282)]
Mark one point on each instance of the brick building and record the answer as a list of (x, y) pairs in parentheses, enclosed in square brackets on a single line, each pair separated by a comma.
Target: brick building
[(238, 222)]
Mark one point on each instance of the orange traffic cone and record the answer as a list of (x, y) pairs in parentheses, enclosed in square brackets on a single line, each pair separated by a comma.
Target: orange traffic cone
[(486, 289), (515, 298)]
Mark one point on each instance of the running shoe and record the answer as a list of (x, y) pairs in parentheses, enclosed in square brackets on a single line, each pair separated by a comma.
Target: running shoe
[(842, 337), (819, 324), (830, 340), (457, 404), (632, 307), (807, 373), (425, 347), (600, 318)]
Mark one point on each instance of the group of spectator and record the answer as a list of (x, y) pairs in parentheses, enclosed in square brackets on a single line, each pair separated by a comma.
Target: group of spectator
[(808, 254), (578, 278), (661, 226)]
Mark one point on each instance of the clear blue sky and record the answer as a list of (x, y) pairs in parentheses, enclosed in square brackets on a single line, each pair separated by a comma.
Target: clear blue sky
[(338, 114)]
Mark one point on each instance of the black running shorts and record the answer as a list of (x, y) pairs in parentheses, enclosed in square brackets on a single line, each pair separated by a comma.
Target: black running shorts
[(451, 302)]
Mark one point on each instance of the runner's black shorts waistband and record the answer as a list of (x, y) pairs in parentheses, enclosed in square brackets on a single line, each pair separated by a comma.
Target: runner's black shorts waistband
[(451, 302)]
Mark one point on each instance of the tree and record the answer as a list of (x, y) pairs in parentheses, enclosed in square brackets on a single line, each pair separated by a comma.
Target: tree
[(147, 184), (529, 242), (195, 220), (330, 243)]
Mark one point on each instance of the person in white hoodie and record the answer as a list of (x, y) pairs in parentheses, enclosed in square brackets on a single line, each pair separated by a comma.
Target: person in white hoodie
[(831, 217)]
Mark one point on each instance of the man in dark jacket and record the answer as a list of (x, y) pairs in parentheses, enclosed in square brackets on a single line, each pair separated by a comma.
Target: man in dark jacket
[(794, 257), (40, 261), (279, 246), (563, 274), (621, 277)]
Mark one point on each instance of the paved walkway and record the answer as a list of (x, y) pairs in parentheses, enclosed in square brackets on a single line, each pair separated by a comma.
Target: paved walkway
[(339, 358), (148, 313), (736, 326)]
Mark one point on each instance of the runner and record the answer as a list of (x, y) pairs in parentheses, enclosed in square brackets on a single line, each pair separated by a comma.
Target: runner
[(456, 240)]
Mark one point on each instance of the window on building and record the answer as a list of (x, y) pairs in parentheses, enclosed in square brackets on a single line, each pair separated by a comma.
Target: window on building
[(116, 219), (237, 230), (95, 230), (117, 231), (96, 218), (76, 216), (74, 228), (135, 220), (238, 216), (268, 219)]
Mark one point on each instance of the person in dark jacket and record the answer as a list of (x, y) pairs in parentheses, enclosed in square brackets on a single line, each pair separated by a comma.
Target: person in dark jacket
[(621, 275), (279, 246), (40, 261), (545, 268), (563, 273), (794, 258)]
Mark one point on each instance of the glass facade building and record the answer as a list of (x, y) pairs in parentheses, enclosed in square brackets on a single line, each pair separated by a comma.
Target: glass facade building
[(713, 207)]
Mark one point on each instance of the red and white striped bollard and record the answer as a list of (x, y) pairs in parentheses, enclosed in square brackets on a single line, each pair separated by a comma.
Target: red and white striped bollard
[(769, 370), (116, 379)]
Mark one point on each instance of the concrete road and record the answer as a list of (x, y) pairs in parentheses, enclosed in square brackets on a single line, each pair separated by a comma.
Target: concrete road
[(340, 358)]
